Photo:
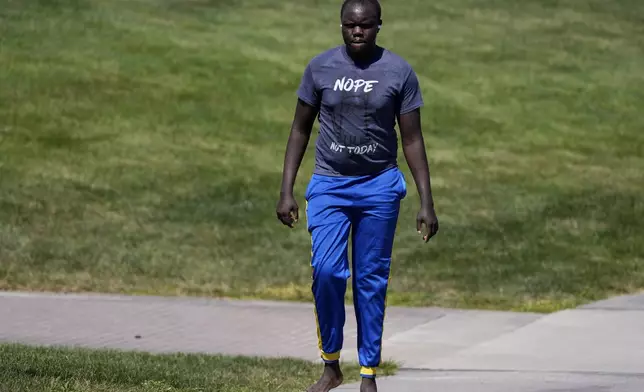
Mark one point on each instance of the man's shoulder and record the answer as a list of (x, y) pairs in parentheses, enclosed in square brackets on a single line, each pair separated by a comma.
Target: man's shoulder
[(325, 57), (396, 61)]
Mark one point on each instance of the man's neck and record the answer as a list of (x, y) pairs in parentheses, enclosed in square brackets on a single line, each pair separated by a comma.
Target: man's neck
[(365, 58)]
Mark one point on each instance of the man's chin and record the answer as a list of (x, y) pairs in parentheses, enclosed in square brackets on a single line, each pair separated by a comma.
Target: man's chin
[(358, 48)]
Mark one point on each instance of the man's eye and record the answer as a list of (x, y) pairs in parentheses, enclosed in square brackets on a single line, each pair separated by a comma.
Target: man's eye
[(363, 26)]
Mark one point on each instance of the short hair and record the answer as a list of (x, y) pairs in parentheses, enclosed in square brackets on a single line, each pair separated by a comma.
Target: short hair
[(372, 3)]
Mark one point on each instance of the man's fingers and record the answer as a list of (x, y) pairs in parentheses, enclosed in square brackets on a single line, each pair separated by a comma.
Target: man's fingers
[(422, 230), (294, 215), (432, 231), (287, 212), (285, 219), (291, 218)]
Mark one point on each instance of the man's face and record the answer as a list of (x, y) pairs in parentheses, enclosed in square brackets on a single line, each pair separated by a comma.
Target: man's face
[(360, 28)]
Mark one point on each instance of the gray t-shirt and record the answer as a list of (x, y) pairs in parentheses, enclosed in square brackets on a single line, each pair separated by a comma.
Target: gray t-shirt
[(358, 108)]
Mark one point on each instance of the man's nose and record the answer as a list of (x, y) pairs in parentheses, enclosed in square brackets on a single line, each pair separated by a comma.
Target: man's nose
[(357, 31)]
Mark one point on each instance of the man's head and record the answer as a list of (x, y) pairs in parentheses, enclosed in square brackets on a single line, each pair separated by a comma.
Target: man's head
[(361, 20)]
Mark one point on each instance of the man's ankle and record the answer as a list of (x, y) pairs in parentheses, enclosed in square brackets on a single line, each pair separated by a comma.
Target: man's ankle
[(368, 372), (333, 367)]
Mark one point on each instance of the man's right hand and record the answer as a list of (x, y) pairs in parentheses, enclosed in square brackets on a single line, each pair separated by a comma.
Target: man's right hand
[(287, 210)]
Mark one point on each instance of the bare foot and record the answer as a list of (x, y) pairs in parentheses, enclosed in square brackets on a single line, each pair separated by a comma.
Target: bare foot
[(368, 385), (331, 378)]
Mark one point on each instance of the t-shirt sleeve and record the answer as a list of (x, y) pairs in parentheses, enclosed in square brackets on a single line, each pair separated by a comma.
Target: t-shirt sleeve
[(308, 91), (411, 97)]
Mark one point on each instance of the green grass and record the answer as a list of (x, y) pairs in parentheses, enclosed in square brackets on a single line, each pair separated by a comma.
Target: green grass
[(54, 369), (141, 147)]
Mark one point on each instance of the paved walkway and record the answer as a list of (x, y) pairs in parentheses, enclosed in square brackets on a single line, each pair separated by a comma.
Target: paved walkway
[(599, 347)]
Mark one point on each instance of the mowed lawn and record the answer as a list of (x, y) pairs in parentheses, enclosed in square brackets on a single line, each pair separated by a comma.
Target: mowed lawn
[(141, 147), (56, 369)]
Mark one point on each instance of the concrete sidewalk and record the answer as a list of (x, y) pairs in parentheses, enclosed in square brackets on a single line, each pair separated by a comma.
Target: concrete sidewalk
[(599, 347)]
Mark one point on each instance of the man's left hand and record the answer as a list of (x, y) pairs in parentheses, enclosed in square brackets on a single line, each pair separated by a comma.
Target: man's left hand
[(427, 217)]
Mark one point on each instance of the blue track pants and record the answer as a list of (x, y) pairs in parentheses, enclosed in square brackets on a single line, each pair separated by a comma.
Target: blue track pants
[(366, 207)]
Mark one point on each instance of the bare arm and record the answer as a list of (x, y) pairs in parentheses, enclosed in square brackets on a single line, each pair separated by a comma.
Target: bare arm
[(287, 208), (296, 145), (413, 145)]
